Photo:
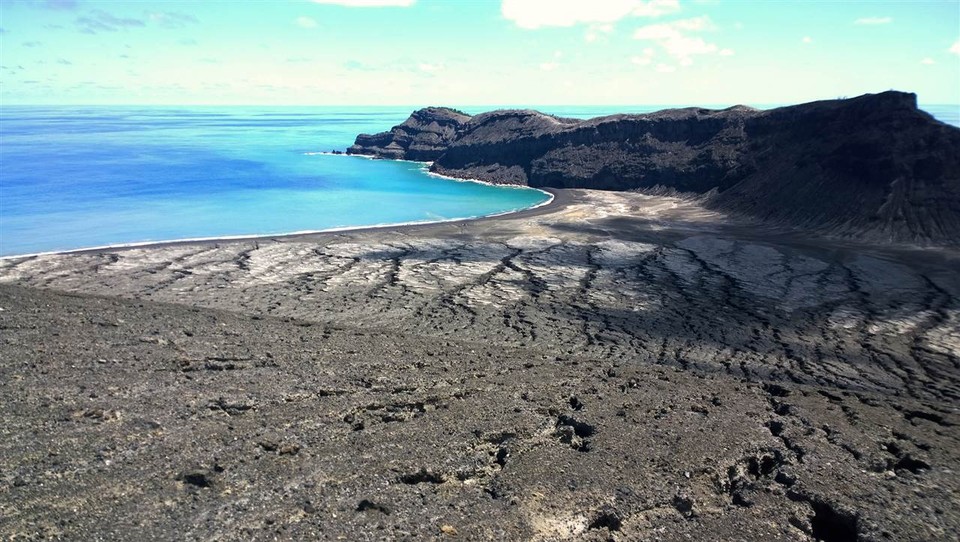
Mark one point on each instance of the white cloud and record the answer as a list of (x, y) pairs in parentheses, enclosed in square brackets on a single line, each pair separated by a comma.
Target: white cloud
[(552, 64), (645, 59), (674, 38), (306, 22), (955, 48), (667, 30), (597, 31), (537, 13), (928, 61), (874, 20), (727, 52), (807, 39), (367, 3), (665, 68), (656, 8), (430, 68)]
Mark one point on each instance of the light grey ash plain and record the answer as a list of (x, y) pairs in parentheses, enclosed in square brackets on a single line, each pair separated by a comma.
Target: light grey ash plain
[(616, 366)]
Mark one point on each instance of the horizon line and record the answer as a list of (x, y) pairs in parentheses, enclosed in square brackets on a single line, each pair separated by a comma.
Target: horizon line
[(419, 106)]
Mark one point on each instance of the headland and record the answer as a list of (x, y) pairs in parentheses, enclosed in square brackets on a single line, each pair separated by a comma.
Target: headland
[(616, 365)]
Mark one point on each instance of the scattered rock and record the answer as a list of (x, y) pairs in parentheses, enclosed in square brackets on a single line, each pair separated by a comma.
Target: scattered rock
[(607, 518), (368, 505), (289, 449), (231, 406), (197, 478), (423, 476), (683, 504)]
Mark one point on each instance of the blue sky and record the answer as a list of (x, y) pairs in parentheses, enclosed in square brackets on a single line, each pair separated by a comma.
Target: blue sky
[(473, 52)]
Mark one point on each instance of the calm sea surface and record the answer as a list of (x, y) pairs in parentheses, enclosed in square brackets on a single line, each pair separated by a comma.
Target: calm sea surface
[(76, 177), (92, 176)]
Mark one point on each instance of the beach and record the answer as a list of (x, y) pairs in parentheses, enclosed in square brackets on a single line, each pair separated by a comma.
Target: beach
[(610, 365), (70, 183)]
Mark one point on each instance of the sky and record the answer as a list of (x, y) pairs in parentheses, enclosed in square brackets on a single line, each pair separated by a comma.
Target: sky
[(475, 52)]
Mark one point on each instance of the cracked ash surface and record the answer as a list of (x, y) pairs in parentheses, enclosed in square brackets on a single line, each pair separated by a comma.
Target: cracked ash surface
[(617, 366)]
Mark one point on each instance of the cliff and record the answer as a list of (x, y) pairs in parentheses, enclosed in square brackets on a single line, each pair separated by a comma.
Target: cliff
[(422, 137), (873, 167)]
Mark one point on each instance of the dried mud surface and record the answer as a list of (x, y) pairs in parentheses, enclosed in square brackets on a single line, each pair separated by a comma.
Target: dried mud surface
[(618, 366)]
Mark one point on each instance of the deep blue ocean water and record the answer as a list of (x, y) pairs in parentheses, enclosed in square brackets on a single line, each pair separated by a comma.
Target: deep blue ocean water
[(78, 177)]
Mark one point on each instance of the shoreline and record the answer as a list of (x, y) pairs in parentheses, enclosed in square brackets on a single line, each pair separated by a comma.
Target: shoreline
[(557, 202), (424, 167), (343, 366)]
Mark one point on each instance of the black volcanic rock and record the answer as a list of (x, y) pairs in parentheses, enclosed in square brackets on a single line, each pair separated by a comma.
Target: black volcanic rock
[(422, 137), (872, 167)]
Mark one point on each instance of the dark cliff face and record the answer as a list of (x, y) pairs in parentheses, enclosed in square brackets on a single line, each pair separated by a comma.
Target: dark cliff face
[(871, 167), (422, 137)]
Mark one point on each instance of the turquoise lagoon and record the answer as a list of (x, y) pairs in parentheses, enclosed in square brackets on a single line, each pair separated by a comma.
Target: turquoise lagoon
[(79, 177)]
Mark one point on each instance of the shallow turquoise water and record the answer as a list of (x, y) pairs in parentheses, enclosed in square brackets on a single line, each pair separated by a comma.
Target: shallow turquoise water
[(76, 177), (94, 176)]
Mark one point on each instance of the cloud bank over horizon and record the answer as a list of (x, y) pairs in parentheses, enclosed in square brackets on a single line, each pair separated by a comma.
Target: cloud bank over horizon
[(512, 52), (534, 14)]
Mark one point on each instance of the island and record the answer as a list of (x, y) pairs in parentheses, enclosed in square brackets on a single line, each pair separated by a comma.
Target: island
[(728, 325)]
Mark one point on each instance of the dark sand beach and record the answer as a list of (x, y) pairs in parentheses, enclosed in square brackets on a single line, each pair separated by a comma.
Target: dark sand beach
[(611, 366)]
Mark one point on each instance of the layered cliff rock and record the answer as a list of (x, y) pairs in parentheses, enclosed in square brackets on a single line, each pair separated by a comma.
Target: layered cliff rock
[(422, 137), (871, 167)]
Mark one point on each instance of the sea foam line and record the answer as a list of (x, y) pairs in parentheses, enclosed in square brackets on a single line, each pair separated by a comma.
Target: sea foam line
[(251, 237), (424, 167)]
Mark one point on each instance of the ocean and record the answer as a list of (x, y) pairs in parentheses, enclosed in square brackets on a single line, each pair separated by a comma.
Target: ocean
[(81, 177)]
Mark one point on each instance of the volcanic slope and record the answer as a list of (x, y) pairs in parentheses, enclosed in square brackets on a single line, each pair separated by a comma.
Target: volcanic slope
[(873, 167)]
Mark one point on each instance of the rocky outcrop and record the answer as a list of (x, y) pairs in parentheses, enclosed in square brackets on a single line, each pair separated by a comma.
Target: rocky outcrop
[(873, 167), (422, 137)]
